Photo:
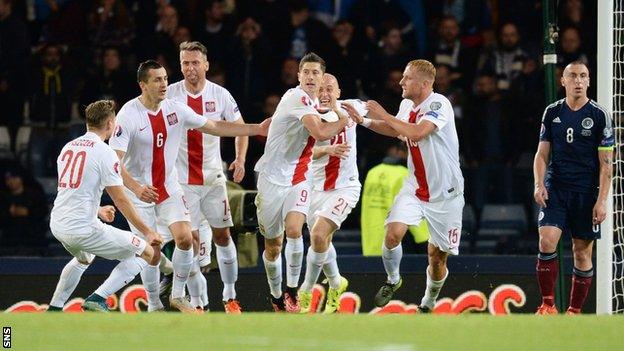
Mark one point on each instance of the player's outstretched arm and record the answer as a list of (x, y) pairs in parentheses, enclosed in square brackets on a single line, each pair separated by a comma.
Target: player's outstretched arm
[(540, 163), (146, 193), (414, 132), (338, 150), (127, 209), (322, 131), (606, 168), (222, 128), (379, 127)]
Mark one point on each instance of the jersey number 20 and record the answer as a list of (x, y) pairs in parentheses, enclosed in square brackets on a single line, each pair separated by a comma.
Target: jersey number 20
[(77, 163)]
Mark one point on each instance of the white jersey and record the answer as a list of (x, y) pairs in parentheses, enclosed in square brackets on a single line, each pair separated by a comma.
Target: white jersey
[(85, 166), (433, 162), (151, 140), (331, 172), (288, 151), (199, 158)]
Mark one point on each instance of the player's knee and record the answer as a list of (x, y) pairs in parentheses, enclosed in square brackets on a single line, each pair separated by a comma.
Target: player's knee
[(148, 254), (272, 248), (221, 236), (293, 231), (318, 240), (547, 244), (393, 239), (184, 242)]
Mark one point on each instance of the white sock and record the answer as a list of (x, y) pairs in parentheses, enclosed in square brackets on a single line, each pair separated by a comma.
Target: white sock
[(70, 276), (166, 267), (294, 260), (432, 290), (182, 263), (274, 275), (204, 290), (194, 284), (330, 268), (121, 275), (228, 267), (314, 264), (150, 276), (205, 240), (392, 262)]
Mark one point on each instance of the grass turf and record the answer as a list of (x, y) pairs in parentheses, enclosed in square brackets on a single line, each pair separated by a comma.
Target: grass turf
[(269, 331)]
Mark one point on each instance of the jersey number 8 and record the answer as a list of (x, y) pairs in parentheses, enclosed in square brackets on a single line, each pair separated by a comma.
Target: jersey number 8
[(570, 135)]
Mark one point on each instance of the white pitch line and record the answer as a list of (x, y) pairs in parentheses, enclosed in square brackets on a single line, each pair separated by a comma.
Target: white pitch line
[(316, 344)]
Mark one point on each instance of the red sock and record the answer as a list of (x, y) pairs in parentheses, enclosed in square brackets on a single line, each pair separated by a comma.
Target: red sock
[(547, 271), (581, 281)]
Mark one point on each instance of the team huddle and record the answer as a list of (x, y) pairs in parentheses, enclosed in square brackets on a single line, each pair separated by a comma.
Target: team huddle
[(163, 170)]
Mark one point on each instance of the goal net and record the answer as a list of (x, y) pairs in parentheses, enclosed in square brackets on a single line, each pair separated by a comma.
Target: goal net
[(610, 249)]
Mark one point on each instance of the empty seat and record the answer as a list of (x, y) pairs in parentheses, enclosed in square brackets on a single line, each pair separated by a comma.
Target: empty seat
[(469, 219), (22, 139), (5, 143), (502, 220)]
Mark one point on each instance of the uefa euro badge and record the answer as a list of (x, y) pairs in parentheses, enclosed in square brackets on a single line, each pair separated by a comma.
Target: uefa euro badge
[(587, 123), (435, 105), (172, 119)]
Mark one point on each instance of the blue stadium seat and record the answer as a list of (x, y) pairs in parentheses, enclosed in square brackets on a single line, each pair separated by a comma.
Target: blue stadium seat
[(502, 220)]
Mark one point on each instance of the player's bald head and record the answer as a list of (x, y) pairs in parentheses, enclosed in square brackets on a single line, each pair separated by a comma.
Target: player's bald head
[(578, 66), (329, 78)]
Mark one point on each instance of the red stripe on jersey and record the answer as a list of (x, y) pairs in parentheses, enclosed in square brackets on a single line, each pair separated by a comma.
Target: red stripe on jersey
[(333, 165), (159, 138), (304, 162), (419, 166), (195, 146)]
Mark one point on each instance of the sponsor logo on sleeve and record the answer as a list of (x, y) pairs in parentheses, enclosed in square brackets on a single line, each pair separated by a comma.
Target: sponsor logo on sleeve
[(210, 106), (172, 119), (116, 167), (118, 130), (436, 105)]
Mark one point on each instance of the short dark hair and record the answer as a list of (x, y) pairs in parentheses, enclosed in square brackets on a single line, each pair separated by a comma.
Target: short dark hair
[(144, 67), (312, 57), (98, 112)]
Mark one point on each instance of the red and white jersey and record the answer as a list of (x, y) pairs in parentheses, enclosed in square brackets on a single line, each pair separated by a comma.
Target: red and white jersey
[(199, 158), (288, 151), (433, 162), (331, 172), (151, 140), (85, 166)]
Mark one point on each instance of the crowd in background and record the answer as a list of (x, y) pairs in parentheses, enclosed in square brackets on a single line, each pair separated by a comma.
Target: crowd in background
[(56, 56)]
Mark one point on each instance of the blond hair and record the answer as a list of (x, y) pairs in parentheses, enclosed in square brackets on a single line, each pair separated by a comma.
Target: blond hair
[(98, 112), (194, 46), (424, 67)]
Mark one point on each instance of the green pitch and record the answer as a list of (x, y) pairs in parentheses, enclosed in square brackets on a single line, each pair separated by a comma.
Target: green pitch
[(268, 331)]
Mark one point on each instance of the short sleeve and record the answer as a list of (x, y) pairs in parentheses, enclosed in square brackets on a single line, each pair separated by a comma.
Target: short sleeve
[(439, 112), (545, 129), (191, 120), (231, 112), (110, 168), (404, 110), (301, 105), (124, 131), (359, 106), (607, 140)]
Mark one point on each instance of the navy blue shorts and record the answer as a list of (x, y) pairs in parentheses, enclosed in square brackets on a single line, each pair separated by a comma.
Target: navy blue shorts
[(571, 212)]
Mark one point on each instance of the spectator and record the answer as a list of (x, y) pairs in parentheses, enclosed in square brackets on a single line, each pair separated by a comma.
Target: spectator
[(448, 50), (161, 42), (507, 61), (445, 85), (492, 138), (14, 51), (571, 48), (23, 209), (52, 89), (216, 30), (111, 82), (288, 76), (344, 59), (110, 23), (216, 74), (474, 17), (381, 185)]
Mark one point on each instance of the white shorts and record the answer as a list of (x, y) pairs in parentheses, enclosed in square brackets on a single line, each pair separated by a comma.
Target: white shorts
[(273, 203), (106, 241), (173, 209), (444, 218), (334, 205), (209, 202)]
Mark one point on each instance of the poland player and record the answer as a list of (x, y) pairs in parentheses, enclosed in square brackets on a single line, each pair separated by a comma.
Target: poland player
[(434, 189), (87, 166), (336, 192), (147, 139), (284, 183), (199, 163)]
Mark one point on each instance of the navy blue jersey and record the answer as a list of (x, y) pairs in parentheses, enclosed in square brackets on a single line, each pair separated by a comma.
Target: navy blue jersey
[(575, 138)]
